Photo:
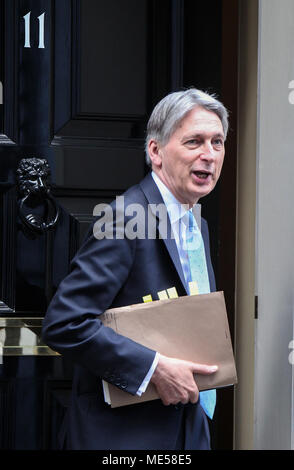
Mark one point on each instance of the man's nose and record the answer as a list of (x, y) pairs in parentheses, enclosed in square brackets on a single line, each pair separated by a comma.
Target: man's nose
[(207, 152)]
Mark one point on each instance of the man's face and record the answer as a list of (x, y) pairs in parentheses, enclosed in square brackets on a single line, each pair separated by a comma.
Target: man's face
[(191, 162)]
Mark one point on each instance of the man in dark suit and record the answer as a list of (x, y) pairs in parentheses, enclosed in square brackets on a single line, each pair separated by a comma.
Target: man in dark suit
[(185, 148)]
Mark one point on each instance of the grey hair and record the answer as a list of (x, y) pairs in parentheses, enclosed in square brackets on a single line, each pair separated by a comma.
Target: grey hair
[(169, 112)]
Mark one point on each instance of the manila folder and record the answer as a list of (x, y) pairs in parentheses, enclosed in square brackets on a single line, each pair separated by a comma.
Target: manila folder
[(193, 328)]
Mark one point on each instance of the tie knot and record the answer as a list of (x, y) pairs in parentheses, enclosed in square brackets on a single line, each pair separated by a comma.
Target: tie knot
[(193, 235), (191, 221)]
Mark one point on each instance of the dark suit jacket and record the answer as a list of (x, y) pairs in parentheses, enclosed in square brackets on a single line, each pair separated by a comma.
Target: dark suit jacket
[(110, 273)]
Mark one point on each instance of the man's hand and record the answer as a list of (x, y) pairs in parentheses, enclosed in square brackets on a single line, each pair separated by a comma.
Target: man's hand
[(174, 381)]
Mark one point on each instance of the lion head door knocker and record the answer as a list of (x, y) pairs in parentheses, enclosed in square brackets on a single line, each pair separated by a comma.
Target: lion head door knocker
[(34, 189)]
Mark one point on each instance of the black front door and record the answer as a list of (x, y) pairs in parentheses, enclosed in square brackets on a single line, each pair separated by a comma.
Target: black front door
[(78, 81)]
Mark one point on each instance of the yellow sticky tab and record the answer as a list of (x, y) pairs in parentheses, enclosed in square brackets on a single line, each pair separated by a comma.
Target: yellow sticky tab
[(172, 293), (147, 298), (162, 295), (193, 286)]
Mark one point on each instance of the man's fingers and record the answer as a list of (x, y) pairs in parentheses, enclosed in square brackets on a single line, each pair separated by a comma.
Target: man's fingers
[(174, 381), (204, 369)]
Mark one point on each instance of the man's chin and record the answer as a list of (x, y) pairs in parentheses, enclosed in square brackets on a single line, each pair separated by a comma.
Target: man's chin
[(202, 192)]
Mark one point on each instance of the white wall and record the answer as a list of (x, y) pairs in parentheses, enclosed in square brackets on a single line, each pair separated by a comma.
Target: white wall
[(273, 401)]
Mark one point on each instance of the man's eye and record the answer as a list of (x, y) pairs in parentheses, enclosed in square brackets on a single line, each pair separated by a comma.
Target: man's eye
[(193, 142), (218, 142)]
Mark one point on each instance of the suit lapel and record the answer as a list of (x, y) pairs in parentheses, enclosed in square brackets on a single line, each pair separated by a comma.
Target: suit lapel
[(154, 198)]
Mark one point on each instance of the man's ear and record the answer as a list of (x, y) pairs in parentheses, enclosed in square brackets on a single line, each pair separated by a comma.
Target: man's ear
[(155, 153)]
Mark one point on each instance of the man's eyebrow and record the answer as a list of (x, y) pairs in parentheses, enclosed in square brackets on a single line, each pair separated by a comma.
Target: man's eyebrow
[(201, 134)]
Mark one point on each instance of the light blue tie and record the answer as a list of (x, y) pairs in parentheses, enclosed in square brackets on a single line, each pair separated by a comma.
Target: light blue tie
[(198, 273)]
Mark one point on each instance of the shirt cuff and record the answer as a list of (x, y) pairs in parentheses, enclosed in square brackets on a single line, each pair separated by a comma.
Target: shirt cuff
[(146, 381)]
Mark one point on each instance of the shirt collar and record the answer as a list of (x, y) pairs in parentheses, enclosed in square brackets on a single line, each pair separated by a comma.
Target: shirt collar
[(175, 209)]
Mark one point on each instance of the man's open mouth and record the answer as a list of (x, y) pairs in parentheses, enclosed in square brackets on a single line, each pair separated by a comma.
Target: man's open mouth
[(202, 174)]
